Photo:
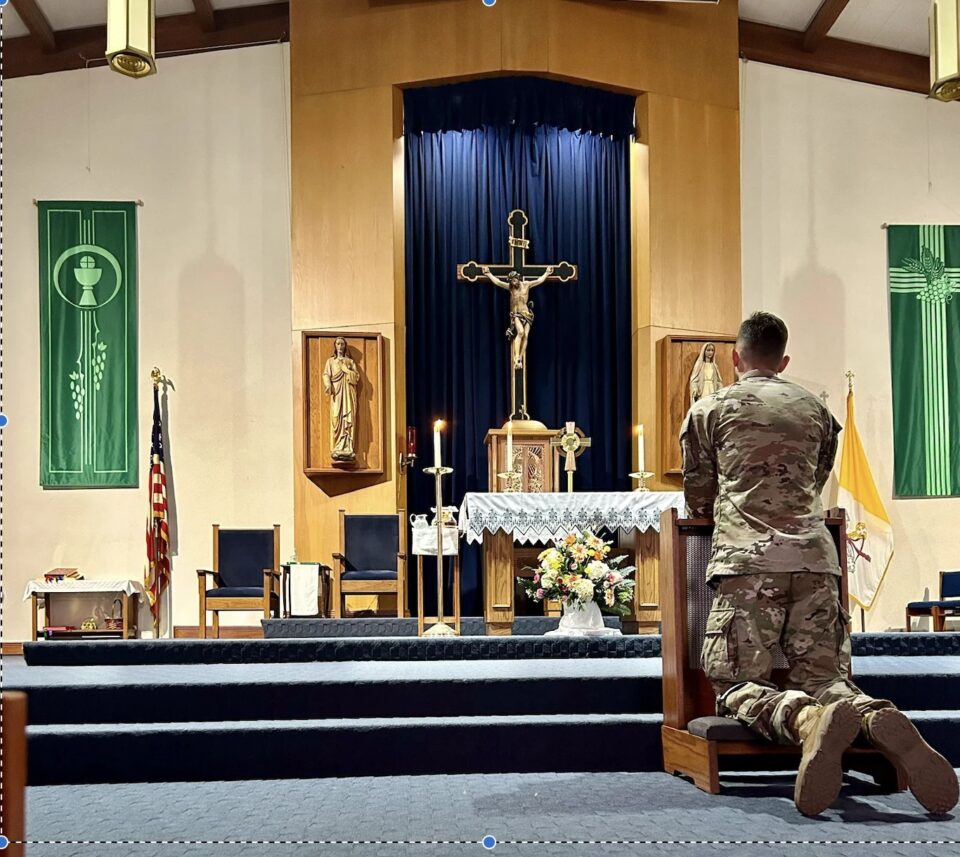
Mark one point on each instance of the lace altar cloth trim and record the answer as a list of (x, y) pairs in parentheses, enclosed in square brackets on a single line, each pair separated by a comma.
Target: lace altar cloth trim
[(541, 518)]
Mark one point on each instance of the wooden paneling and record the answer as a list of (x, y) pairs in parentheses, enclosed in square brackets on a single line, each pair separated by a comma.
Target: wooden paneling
[(695, 225), (348, 60), (356, 44), (678, 49), (683, 50), (343, 209)]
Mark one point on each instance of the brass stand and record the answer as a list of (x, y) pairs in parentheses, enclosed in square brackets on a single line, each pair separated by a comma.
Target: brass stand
[(642, 476), (441, 628)]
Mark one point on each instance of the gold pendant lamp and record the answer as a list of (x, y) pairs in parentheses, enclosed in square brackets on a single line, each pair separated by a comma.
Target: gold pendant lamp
[(945, 50), (130, 37)]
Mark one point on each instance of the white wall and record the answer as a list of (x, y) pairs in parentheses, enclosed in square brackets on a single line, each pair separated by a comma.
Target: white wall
[(825, 162), (205, 145)]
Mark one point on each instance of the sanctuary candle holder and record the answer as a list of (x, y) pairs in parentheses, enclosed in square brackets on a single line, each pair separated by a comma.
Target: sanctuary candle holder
[(512, 481), (439, 628), (641, 476)]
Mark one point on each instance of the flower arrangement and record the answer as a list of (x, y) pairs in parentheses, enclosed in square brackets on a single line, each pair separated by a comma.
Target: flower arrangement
[(578, 570)]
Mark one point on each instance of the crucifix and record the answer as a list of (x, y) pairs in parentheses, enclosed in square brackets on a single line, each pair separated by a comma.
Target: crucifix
[(518, 276), (573, 443)]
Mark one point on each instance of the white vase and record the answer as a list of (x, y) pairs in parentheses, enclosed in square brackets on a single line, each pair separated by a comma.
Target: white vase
[(582, 620)]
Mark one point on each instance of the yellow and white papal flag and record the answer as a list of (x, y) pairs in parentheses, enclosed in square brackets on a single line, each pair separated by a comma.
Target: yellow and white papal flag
[(870, 536)]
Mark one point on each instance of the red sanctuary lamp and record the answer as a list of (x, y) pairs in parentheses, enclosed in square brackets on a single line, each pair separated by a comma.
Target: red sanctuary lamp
[(409, 455)]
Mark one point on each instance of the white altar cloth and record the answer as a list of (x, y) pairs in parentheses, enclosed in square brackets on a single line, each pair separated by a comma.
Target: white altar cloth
[(545, 517), (425, 541), (129, 587)]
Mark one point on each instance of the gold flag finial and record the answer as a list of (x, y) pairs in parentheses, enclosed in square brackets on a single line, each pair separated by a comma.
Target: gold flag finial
[(850, 376), (156, 376)]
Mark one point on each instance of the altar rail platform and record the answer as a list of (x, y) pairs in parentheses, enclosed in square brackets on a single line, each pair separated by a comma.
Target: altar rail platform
[(259, 709)]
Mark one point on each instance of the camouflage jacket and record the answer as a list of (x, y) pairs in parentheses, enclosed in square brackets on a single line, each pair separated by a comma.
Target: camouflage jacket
[(756, 456)]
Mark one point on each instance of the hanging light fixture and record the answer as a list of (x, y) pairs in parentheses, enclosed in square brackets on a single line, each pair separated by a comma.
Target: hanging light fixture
[(945, 50), (130, 47)]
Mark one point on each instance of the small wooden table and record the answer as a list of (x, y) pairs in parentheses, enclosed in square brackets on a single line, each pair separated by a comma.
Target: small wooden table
[(127, 591)]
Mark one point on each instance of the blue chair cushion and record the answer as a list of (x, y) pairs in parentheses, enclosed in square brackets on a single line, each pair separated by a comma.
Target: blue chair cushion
[(371, 543), (243, 555), (369, 574), (236, 592), (950, 584), (926, 605)]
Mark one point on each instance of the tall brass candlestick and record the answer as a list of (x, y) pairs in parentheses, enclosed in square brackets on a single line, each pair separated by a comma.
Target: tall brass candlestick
[(440, 629)]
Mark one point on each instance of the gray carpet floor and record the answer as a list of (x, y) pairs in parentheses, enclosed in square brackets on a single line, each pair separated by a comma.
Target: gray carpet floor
[(529, 814)]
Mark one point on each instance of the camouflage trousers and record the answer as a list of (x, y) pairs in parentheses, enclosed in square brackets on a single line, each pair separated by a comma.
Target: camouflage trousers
[(801, 612)]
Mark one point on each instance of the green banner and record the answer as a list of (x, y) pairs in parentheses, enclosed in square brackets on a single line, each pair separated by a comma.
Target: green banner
[(924, 275), (88, 344)]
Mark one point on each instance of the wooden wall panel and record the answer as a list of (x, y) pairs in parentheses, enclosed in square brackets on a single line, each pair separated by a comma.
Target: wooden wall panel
[(354, 44), (683, 50), (343, 208), (695, 228)]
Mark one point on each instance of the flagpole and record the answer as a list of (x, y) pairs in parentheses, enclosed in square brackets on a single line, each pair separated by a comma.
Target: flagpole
[(850, 376)]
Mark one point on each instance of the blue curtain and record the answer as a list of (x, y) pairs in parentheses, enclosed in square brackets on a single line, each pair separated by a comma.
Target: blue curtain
[(473, 153)]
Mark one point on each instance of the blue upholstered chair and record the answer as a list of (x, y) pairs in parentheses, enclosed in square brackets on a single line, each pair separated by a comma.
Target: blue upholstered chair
[(245, 573), (947, 605), (372, 559)]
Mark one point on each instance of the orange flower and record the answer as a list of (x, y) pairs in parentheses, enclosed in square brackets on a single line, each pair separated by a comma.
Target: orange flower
[(597, 555), (570, 539)]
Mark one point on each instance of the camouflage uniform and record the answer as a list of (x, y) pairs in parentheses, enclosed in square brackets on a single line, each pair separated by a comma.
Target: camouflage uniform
[(756, 456)]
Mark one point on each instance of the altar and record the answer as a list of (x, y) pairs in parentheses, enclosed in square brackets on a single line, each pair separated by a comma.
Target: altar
[(500, 521)]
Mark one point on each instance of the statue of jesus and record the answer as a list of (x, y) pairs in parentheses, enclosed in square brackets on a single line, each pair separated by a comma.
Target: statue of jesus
[(521, 308), (340, 382)]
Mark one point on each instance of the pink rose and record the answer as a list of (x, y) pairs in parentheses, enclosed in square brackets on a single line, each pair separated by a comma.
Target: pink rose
[(536, 578), (540, 593)]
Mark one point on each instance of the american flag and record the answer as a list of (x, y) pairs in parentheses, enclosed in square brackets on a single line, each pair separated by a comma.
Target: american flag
[(158, 532)]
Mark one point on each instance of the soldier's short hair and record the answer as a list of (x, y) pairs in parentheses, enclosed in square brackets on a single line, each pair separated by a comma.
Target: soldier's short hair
[(763, 337)]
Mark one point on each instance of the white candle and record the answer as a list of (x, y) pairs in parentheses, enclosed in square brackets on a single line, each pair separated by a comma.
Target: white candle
[(509, 467), (640, 449), (436, 442)]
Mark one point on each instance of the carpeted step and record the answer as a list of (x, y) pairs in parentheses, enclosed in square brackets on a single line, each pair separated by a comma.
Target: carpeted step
[(391, 626), (105, 652), (152, 752), (118, 652), (214, 692)]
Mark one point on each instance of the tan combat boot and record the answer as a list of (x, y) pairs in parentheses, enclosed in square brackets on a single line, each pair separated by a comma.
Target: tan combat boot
[(825, 731), (931, 776)]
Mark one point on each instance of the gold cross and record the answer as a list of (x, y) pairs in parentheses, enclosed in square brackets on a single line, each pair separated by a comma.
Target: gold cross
[(573, 443)]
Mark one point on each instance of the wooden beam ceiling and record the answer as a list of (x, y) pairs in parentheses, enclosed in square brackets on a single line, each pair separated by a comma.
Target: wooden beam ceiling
[(825, 18), (205, 15), (38, 25), (175, 34), (836, 57)]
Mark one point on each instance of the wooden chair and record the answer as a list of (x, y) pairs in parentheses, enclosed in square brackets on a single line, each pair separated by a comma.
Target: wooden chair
[(13, 784), (372, 559), (947, 605), (246, 574), (696, 741)]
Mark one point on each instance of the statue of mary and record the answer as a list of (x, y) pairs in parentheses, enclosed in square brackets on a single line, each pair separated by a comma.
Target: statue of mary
[(705, 378)]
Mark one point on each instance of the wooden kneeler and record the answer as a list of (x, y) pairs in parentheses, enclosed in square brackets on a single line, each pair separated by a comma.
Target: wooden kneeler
[(695, 741)]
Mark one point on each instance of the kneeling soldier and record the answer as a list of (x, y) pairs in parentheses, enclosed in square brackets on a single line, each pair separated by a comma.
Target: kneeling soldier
[(756, 456)]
